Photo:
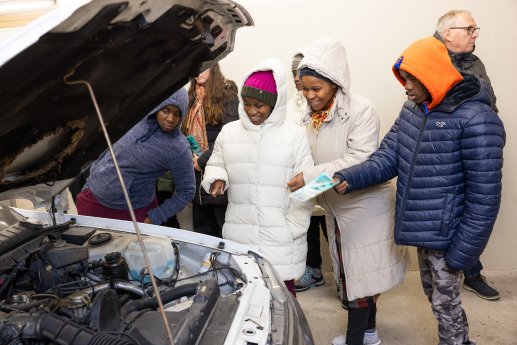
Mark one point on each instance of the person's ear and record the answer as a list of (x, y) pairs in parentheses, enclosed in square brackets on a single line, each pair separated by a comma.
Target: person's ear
[(447, 35)]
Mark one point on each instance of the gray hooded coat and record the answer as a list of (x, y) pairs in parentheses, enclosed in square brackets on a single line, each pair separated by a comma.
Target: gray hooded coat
[(349, 135)]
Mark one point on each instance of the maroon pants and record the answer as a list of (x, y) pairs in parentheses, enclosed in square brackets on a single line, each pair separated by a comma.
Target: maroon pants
[(290, 286), (88, 205)]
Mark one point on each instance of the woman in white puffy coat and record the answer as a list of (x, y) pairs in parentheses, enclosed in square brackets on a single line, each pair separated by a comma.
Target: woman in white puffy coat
[(343, 130), (252, 161)]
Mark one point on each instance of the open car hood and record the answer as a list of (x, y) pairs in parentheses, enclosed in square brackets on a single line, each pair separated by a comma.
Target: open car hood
[(133, 53)]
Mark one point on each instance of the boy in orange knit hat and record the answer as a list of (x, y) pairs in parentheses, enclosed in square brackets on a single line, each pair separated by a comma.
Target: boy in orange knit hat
[(446, 149)]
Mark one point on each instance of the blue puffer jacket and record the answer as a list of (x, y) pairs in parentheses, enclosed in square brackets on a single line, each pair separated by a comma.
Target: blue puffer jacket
[(448, 165)]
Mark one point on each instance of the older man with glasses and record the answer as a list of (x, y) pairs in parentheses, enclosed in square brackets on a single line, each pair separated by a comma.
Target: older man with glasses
[(458, 30)]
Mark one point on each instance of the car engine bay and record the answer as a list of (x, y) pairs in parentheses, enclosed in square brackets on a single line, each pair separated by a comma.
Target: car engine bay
[(77, 285)]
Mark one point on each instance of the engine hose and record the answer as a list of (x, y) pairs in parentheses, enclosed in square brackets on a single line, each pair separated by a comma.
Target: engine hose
[(63, 331), (30, 305), (167, 296), (115, 284), (108, 339)]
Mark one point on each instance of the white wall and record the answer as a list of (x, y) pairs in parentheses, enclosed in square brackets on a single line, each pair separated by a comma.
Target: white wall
[(375, 32)]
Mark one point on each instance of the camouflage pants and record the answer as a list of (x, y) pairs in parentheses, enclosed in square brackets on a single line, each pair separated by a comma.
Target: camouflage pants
[(442, 288)]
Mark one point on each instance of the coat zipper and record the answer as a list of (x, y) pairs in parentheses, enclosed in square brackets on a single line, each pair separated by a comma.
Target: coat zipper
[(412, 167)]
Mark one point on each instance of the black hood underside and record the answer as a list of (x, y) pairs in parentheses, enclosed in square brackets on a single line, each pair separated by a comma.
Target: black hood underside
[(50, 129)]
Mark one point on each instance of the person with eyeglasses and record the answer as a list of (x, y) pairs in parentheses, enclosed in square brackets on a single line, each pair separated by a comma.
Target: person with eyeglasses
[(458, 30)]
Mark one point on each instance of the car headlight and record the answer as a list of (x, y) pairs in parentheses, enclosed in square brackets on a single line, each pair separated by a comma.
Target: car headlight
[(288, 323)]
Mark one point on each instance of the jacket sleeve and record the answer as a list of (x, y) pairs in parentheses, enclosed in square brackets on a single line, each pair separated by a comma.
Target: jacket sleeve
[(299, 213), (185, 187), (363, 140), (216, 167), (482, 157), (379, 168)]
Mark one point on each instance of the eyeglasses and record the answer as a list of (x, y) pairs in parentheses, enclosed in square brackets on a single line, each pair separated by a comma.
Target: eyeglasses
[(470, 29)]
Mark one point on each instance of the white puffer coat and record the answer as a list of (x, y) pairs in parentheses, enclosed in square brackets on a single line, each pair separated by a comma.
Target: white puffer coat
[(256, 162), (349, 135)]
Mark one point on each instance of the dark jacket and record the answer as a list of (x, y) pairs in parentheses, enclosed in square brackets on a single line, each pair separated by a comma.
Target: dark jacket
[(448, 164), (470, 63), (231, 113), (144, 154)]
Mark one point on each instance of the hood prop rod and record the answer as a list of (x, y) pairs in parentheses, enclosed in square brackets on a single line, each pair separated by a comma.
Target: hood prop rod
[(67, 81)]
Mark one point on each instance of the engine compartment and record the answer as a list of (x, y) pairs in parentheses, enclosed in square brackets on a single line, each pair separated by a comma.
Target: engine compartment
[(80, 285)]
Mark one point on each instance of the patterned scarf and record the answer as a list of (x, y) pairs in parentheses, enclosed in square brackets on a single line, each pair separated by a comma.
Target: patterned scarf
[(318, 117), (196, 125)]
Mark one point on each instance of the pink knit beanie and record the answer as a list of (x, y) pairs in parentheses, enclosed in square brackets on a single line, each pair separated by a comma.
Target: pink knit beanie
[(261, 85)]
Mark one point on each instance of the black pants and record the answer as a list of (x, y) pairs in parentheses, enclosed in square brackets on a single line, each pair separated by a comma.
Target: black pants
[(474, 271), (313, 241), (208, 219), (359, 320)]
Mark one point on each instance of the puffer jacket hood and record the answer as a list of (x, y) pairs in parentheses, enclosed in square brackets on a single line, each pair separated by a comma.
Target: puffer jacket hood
[(471, 88), (428, 61), (277, 116), (321, 57)]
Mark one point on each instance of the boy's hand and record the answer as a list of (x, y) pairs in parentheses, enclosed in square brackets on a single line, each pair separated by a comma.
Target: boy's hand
[(341, 186), (217, 188), (296, 182)]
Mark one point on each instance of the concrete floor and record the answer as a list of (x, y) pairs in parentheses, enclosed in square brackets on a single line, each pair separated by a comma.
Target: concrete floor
[(404, 315)]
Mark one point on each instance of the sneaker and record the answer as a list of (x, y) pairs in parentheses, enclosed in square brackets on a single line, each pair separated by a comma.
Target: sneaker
[(370, 338), (311, 277), (480, 287), (339, 340)]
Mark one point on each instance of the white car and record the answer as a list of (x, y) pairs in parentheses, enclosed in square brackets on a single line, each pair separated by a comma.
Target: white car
[(67, 279)]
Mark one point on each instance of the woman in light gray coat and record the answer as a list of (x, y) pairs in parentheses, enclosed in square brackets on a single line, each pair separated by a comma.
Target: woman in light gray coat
[(343, 130)]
